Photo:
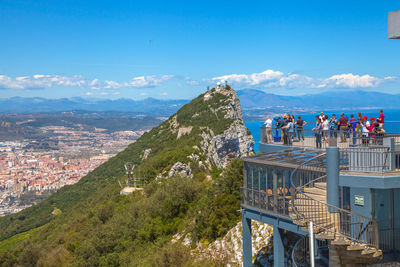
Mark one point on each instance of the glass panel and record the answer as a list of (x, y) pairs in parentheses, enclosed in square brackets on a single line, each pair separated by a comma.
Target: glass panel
[(270, 189), (383, 216), (396, 218), (346, 198), (248, 176), (270, 179), (263, 179), (279, 181), (287, 182), (255, 177)]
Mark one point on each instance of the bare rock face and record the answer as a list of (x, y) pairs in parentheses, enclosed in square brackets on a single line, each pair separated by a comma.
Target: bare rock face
[(146, 153), (236, 141), (229, 248), (181, 169)]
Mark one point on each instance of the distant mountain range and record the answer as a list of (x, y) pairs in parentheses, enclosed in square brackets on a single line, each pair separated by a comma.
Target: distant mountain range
[(249, 98), (38, 104), (253, 99)]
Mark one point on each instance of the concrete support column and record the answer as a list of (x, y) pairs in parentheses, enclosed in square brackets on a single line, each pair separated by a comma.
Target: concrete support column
[(332, 176), (334, 256), (246, 234), (279, 250)]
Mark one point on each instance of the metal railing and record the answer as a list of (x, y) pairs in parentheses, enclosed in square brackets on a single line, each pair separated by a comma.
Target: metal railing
[(308, 138), (266, 201), (333, 221), (301, 251), (370, 159)]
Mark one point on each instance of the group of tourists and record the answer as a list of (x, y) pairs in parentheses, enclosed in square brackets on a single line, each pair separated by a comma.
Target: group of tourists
[(289, 126), (325, 128)]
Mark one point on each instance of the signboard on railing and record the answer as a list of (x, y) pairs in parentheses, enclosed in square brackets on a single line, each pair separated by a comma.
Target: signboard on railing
[(359, 200)]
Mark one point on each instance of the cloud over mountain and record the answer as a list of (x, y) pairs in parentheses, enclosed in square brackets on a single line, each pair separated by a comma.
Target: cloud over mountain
[(278, 79)]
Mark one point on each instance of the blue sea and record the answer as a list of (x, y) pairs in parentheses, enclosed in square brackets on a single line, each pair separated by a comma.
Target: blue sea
[(391, 115)]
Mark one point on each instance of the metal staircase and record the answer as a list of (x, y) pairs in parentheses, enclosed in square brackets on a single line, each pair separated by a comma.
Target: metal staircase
[(353, 238)]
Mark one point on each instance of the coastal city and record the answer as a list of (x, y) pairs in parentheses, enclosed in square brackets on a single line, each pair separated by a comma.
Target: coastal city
[(30, 170)]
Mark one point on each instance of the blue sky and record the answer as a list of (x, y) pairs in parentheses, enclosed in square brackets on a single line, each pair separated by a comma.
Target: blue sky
[(174, 49)]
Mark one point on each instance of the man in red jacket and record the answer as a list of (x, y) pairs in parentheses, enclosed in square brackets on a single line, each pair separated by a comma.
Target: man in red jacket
[(381, 118)]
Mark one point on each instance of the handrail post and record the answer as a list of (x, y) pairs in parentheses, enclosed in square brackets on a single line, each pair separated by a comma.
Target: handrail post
[(389, 142), (311, 239)]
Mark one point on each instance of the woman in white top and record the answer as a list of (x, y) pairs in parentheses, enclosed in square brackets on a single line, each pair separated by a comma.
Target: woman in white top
[(365, 132), (325, 128)]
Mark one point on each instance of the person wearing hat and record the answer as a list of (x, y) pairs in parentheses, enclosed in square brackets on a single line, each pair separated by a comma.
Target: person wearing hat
[(371, 123), (365, 130)]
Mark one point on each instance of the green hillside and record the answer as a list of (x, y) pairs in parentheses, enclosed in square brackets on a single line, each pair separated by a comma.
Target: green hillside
[(99, 227)]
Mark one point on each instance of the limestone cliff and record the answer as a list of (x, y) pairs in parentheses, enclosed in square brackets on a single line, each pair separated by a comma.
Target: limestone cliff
[(216, 117)]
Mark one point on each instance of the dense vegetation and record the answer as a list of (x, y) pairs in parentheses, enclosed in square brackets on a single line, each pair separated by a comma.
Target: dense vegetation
[(96, 226), (137, 229)]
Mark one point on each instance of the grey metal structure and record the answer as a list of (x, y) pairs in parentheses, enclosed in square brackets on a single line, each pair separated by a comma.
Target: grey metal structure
[(351, 194), (394, 25)]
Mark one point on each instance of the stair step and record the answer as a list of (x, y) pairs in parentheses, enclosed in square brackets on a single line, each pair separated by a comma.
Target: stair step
[(319, 227), (356, 246), (320, 186), (368, 250), (340, 242), (300, 222), (325, 235), (377, 254), (315, 191), (311, 198)]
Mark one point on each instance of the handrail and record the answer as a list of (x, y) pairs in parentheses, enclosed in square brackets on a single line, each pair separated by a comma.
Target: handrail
[(346, 224), (296, 252), (300, 251)]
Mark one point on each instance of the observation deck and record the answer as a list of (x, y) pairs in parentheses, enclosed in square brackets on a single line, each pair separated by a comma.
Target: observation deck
[(349, 191)]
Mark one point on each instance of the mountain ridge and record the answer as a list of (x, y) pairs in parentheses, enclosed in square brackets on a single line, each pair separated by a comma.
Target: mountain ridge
[(193, 180), (250, 99)]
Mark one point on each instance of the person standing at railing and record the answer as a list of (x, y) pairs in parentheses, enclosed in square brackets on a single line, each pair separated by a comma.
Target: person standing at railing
[(333, 126), (365, 130), (289, 129), (318, 133), (300, 124), (279, 131), (379, 132), (325, 128), (343, 127), (322, 116), (360, 124), (381, 118), (294, 126), (353, 128), (268, 130)]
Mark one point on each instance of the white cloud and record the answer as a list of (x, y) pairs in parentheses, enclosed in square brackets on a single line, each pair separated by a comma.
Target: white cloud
[(40, 81), (149, 81), (350, 80), (278, 79), (164, 93)]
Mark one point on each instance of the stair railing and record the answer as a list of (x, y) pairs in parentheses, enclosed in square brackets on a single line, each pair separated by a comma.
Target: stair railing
[(336, 222)]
